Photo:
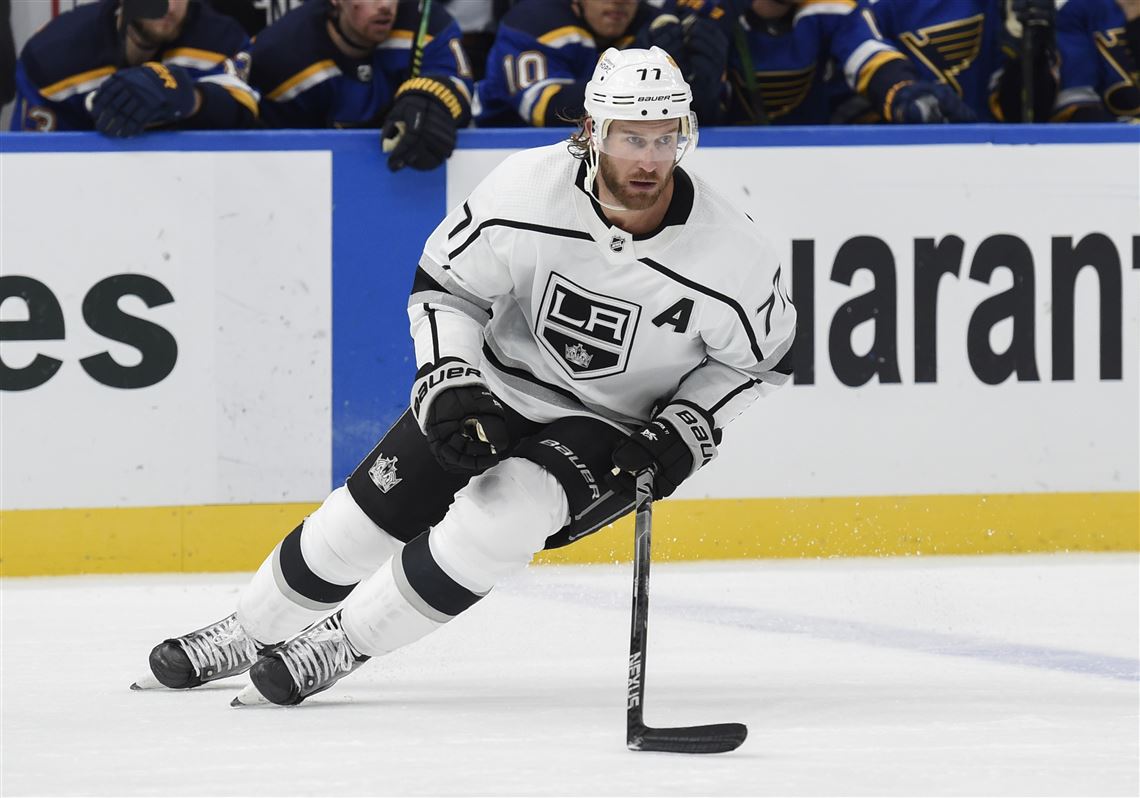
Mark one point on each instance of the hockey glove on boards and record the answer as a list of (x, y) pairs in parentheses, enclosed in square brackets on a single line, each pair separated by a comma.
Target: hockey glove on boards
[(135, 98), (420, 129), (678, 441), (919, 102), (465, 425)]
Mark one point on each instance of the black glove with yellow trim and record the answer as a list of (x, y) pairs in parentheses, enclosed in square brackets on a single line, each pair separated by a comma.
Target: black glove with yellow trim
[(420, 129), (136, 98)]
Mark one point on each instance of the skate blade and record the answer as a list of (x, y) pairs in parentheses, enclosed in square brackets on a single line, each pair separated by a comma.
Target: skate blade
[(249, 697), (147, 682)]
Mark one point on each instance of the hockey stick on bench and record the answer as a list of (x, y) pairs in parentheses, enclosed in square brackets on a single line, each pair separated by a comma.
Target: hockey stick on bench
[(712, 739)]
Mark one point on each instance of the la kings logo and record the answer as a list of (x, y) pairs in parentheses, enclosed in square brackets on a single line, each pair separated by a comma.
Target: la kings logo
[(588, 334)]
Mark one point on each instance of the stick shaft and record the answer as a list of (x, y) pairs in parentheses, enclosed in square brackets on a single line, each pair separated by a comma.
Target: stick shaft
[(639, 623), (421, 38)]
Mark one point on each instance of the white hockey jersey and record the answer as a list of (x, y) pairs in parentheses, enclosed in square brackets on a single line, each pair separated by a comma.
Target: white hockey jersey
[(568, 315)]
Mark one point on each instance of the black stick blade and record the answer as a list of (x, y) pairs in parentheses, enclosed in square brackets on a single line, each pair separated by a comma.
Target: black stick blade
[(716, 738)]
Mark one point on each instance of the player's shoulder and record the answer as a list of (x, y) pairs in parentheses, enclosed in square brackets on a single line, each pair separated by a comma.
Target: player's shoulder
[(1090, 15), (548, 21), (528, 183), (294, 45), (721, 228), (212, 32), (823, 9), (74, 44)]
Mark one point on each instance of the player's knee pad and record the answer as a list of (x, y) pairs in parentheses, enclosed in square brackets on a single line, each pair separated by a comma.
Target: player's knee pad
[(498, 522), (340, 544), (313, 569)]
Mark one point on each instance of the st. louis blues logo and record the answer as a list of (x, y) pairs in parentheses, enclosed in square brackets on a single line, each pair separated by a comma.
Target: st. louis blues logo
[(589, 335), (947, 49)]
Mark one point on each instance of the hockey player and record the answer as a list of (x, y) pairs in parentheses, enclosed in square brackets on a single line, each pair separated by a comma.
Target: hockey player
[(782, 65), (1100, 70), (546, 50), (347, 63), (582, 312), (150, 63), (920, 61)]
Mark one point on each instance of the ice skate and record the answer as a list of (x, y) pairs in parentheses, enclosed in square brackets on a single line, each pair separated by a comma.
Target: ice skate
[(309, 663), (217, 651)]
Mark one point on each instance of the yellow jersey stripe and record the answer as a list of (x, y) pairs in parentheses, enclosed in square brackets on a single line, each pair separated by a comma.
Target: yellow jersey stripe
[(538, 115), (303, 75), (872, 66), (75, 80), (245, 98), (565, 31), (194, 52)]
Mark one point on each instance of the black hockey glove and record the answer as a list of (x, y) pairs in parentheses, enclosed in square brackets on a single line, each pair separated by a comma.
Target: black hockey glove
[(136, 98), (678, 441), (920, 103), (663, 31), (420, 129), (465, 425), (706, 50)]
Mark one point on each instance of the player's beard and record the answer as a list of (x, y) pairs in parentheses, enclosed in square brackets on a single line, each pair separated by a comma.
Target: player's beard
[(626, 196)]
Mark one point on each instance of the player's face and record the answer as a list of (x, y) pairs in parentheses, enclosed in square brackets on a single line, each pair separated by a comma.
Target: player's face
[(608, 18), (637, 159), (771, 9), (368, 20), (166, 28)]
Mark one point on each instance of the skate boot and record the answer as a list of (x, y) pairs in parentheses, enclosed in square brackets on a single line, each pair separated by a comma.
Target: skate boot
[(309, 663), (217, 651)]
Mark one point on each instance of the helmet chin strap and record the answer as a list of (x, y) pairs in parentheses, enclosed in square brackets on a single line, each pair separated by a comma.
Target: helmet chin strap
[(591, 181)]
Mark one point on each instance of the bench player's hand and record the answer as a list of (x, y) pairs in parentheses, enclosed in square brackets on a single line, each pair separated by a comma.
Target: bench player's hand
[(136, 98), (920, 103), (678, 441), (465, 425), (420, 130)]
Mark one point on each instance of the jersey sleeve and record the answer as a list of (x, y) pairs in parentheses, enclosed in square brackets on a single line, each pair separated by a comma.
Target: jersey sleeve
[(533, 79), (228, 101), (872, 65), (37, 111), (1077, 95), (749, 345), (462, 272), (445, 61)]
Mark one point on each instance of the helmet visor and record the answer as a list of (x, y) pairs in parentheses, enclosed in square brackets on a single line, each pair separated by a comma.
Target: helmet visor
[(663, 142)]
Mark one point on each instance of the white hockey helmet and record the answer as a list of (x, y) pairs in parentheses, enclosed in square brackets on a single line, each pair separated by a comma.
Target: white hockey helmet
[(637, 85)]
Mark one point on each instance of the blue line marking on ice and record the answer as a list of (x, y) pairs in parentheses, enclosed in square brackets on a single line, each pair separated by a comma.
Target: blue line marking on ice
[(881, 635)]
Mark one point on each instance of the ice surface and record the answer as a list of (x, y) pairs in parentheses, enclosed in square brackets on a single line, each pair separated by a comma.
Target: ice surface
[(915, 676)]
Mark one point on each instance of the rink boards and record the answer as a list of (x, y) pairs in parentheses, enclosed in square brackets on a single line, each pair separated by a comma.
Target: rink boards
[(184, 377)]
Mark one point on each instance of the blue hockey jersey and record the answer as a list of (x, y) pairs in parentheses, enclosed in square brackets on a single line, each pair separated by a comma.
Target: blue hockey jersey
[(73, 54), (1100, 75), (956, 42), (788, 74), (307, 82), (542, 58)]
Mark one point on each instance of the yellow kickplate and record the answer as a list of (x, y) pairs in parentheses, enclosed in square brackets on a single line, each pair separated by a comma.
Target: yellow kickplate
[(237, 537)]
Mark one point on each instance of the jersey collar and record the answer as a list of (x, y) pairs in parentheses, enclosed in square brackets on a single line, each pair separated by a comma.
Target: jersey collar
[(676, 214)]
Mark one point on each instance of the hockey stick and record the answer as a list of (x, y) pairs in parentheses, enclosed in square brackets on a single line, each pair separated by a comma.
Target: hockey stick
[(389, 144), (712, 739), (1027, 46)]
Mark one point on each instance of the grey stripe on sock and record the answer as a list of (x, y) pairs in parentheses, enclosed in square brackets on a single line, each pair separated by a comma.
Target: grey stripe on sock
[(412, 597), (290, 593)]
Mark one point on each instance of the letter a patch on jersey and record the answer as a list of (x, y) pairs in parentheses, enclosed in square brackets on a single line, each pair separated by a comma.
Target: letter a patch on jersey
[(588, 334)]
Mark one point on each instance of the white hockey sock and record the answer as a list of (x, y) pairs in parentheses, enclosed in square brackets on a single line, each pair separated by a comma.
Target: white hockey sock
[(310, 572)]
